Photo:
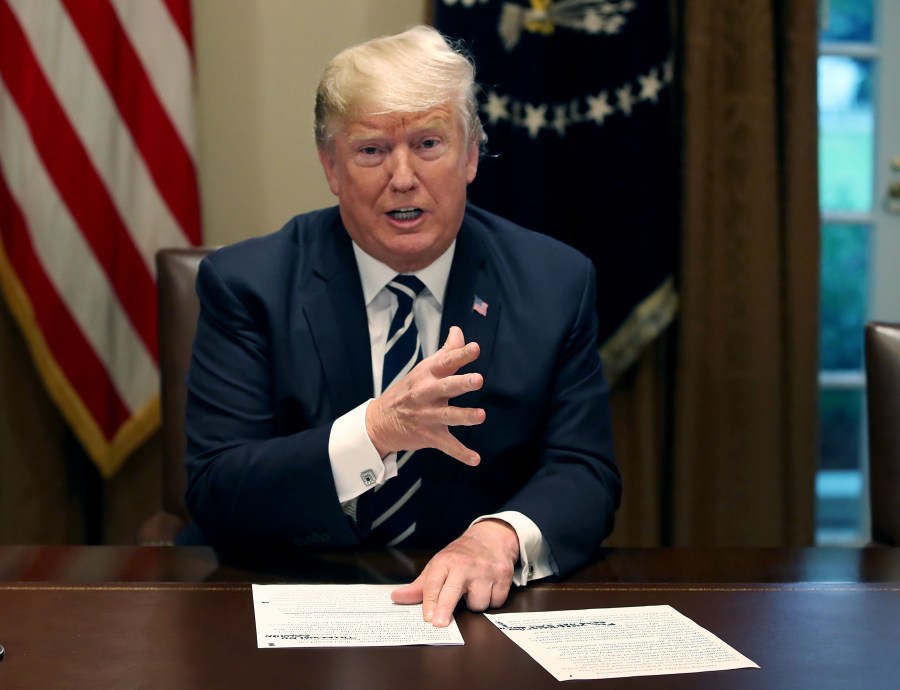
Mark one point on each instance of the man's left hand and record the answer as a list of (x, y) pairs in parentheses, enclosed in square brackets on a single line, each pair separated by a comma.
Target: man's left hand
[(478, 566)]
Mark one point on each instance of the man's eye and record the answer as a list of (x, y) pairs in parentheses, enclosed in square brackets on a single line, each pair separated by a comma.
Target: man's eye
[(369, 150), (429, 143)]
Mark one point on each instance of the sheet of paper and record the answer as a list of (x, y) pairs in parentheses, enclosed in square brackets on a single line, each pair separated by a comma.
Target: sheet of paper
[(341, 616), (618, 642)]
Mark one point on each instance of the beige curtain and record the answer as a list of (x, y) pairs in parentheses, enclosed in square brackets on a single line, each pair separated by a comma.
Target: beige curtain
[(729, 459), (745, 419)]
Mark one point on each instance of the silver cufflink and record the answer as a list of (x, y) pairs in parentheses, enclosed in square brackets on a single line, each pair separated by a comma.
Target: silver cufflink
[(368, 477)]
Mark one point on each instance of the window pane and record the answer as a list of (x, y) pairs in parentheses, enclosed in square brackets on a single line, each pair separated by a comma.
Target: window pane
[(840, 428), (844, 295), (846, 134), (839, 482), (847, 20)]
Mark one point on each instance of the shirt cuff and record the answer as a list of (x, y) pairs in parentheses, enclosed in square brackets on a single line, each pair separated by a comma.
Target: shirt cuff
[(535, 559), (355, 463)]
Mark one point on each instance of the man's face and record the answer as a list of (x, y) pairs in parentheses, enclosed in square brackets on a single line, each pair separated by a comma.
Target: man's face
[(401, 183)]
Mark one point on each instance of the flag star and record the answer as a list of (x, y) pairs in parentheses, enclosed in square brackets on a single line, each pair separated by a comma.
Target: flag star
[(625, 98), (535, 118), (592, 22), (667, 70), (496, 107), (614, 25), (650, 86), (560, 119), (599, 107), (575, 111)]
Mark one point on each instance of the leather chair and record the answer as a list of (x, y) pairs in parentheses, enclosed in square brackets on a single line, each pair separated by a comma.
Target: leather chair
[(883, 403), (178, 309)]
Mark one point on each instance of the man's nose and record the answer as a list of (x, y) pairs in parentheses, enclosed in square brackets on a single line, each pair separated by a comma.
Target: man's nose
[(403, 172)]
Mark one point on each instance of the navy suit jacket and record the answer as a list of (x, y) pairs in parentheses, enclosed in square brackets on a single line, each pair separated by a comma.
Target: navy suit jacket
[(282, 350)]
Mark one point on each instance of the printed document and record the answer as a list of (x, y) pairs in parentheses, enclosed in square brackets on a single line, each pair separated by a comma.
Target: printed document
[(341, 616), (618, 642)]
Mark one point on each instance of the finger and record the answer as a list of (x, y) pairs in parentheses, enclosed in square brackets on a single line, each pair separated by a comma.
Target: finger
[(499, 593), (453, 386), (456, 450), (431, 580), (408, 594), (449, 597), (462, 416), (455, 339), (448, 361), (479, 597)]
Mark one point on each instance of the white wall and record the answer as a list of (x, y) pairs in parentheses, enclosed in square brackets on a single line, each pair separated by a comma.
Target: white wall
[(258, 63)]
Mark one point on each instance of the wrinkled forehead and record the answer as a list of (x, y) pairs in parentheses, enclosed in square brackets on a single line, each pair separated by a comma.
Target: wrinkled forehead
[(443, 120)]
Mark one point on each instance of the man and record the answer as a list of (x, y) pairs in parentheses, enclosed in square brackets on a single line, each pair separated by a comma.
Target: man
[(306, 393)]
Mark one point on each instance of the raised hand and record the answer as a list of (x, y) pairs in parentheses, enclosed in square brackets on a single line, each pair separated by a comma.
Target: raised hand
[(415, 412)]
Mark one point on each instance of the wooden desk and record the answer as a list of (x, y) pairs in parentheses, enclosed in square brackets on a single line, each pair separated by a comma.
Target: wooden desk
[(106, 617)]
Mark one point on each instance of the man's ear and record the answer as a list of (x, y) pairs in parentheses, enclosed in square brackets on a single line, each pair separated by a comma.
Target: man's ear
[(329, 165), (472, 161)]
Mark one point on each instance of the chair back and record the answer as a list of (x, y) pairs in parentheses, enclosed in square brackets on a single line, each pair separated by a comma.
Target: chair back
[(883, 403), (178, 310)]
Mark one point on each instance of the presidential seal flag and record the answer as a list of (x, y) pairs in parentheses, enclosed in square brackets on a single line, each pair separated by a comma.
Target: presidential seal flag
[(577, 105), (96, 173)]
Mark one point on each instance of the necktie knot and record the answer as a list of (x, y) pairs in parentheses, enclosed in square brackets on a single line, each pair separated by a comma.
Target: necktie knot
[(406, 287)]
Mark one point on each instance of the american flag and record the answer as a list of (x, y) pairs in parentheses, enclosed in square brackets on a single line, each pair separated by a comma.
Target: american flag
[(97, 172), (479, 306)]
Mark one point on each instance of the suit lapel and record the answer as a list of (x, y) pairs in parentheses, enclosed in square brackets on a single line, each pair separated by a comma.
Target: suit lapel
[(470, 279), (336, 316)]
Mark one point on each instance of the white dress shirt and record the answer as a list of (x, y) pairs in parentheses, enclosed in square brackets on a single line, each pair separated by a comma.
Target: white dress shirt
[(352, 453)]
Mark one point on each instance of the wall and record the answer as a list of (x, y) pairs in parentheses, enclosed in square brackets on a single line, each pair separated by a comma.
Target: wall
[(258, 63)]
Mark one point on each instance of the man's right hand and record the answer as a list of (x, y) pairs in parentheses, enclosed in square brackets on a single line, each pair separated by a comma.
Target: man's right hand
[(415, 413)]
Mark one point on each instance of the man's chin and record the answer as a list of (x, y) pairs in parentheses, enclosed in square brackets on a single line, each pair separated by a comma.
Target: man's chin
[(412, 252)]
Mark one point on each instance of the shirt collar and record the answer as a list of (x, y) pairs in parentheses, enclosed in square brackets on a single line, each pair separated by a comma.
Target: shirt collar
[(375, 274)]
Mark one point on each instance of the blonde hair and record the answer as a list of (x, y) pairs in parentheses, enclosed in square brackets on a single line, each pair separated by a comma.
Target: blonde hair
[(410, 72)]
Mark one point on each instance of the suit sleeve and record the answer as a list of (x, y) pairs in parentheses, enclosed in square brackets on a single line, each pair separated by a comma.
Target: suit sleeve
[(576, 487), (247, 483)]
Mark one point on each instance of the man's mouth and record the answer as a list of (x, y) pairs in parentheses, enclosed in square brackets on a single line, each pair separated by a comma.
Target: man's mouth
[(405, 213)]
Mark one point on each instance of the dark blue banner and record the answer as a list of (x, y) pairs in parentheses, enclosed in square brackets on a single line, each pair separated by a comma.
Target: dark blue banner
[(577, 106)]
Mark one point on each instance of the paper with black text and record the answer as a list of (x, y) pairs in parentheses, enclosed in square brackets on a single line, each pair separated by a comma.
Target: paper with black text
[(341, 616), (618, 642)]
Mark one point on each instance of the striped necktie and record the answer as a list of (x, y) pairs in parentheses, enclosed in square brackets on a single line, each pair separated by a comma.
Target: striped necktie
[(394, 504)]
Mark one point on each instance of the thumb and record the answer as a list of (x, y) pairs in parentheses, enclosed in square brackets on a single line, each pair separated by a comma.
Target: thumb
[(408, 594)]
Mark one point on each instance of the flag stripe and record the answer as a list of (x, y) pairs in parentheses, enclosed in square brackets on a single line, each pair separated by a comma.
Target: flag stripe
[(93, 114), (108, 329), (166, 57), (167, 157), (181, 14), (83, 192), (76, 358)]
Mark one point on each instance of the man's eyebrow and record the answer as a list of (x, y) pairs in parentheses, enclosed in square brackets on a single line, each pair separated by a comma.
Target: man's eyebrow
[(360, 131), (438, 125)]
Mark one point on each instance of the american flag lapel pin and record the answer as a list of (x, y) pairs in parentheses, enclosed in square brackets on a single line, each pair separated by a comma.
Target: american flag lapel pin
[(479, 306)]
